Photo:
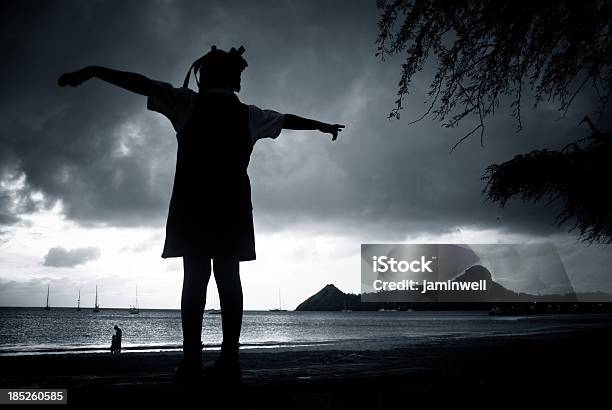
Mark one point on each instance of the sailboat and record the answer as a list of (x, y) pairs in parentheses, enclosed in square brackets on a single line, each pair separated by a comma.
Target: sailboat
[(96, 308), (134, 309), (213, 311), (79, 302), (280, 306), (47, 307)]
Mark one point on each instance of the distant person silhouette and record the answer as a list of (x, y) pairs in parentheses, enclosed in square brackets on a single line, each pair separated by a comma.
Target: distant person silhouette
[(118, 334), (113, 347), (210, 214)]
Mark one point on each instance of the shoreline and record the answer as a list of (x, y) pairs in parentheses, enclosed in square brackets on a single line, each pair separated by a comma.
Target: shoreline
[(126, 349), (565, 362), (570, 323)]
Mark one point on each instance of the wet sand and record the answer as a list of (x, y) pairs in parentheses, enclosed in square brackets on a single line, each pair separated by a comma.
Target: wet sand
[(558, 368)]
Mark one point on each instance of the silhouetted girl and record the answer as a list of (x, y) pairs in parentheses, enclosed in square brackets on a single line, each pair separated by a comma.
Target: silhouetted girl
[(210, 215)]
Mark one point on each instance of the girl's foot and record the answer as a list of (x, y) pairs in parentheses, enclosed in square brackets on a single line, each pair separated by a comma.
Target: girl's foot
[(190, 368), (189, 371)]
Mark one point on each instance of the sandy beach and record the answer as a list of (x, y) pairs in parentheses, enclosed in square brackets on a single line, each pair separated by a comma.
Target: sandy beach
[(553, 368)]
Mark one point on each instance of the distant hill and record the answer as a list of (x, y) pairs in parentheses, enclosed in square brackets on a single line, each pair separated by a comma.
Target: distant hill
[(494, 293), (330, 298)]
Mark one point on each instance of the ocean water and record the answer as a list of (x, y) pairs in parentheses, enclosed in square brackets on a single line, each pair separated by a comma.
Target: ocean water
[(62, 330)]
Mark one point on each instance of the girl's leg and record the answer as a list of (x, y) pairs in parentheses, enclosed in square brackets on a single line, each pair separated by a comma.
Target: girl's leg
[(227, 276), (193, 299)]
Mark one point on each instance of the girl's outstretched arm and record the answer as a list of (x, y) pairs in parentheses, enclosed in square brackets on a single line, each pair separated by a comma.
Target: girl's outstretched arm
[(133, 82), (293, 122)]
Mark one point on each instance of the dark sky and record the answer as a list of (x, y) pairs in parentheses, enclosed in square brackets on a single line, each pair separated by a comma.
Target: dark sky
[(111, 162)]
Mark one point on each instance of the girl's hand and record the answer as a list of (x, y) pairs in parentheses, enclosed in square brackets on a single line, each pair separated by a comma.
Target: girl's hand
[(332, 129), (76, 78)]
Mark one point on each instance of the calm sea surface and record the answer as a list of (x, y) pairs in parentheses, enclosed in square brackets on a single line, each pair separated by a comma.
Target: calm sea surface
[(61, 330)]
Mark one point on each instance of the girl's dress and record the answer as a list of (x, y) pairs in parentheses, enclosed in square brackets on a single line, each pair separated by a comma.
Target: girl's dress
[(210, 212)]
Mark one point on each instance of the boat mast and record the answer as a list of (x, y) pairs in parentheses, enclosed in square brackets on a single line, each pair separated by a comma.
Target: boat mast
[(96, 308)]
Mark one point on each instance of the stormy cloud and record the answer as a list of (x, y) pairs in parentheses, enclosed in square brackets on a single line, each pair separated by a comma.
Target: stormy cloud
[(97, 151), (60, 257)]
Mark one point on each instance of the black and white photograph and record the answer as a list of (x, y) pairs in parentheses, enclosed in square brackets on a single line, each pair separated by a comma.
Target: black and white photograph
[(307, 204)]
